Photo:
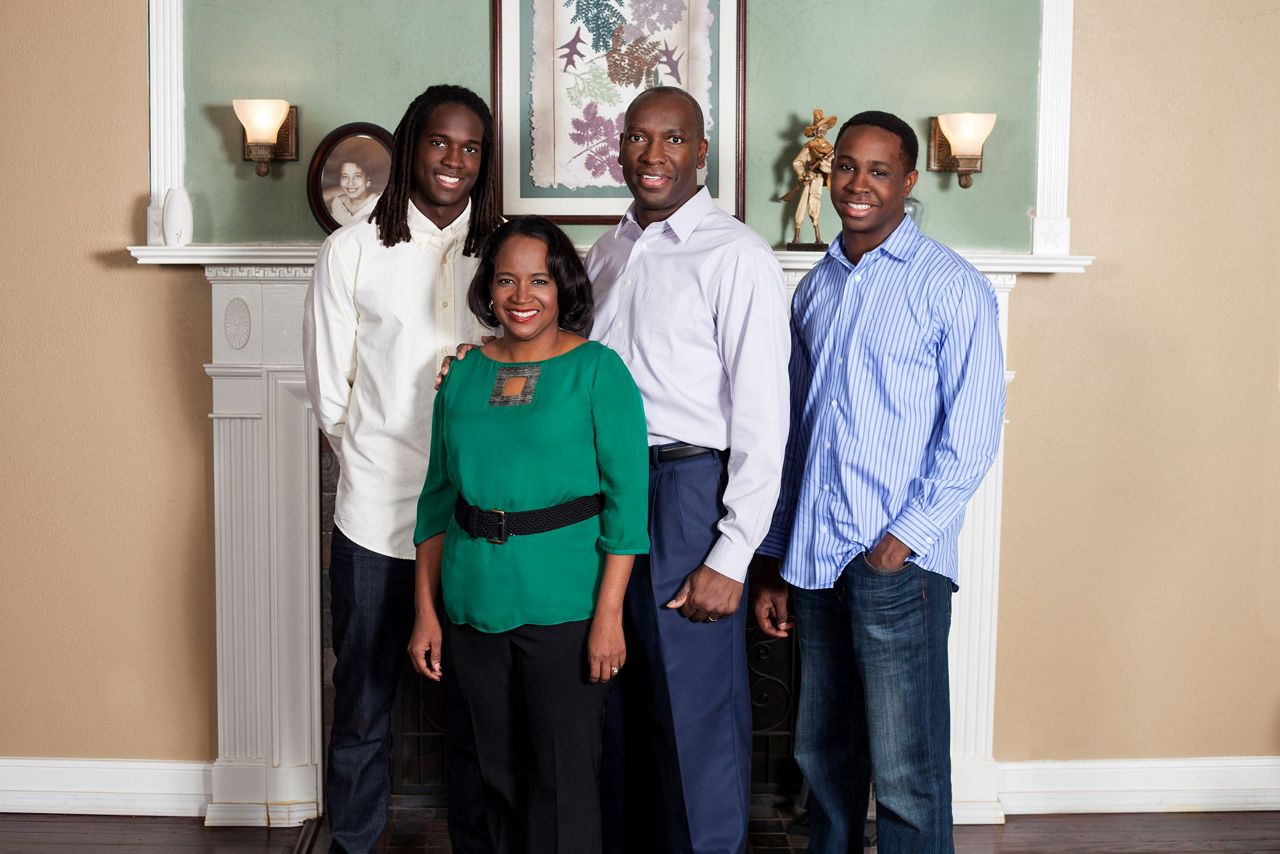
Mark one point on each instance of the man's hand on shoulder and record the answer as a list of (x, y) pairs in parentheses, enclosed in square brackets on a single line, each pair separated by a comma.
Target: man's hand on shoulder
[(463, 350), (770, 602), (706, 596)]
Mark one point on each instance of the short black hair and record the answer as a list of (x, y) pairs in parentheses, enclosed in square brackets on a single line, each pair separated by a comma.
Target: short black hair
[(359, 161), (910, 146), (573, 288), (679, 93), (391, 213)]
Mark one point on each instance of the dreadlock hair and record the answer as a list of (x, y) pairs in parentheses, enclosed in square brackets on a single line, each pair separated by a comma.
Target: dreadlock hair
[(391, 213), (909, 146)]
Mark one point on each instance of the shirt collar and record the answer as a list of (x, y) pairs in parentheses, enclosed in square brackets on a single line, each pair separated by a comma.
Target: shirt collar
[(900, 245), (422, 227), (681, 223)]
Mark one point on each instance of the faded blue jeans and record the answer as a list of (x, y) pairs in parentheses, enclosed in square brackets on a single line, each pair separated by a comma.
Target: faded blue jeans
[(874, 704)]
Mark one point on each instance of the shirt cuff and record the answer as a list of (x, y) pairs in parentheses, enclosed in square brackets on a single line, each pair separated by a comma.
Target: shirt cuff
[(729, 559), (775, 544), (335, 438), (915, 529)]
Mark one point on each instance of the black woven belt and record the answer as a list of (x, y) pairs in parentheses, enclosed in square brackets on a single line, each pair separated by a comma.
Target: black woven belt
[(497, 525), (678, 451)]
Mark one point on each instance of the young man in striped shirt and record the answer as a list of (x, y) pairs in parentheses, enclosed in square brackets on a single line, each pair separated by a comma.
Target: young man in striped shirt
[(897, 398)]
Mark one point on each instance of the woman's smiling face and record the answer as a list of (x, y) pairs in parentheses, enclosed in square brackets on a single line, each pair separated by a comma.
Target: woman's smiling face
[(524, 293), (353, 180)]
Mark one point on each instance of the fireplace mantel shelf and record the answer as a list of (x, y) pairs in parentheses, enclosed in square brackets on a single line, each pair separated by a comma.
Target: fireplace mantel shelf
[(289, 254)]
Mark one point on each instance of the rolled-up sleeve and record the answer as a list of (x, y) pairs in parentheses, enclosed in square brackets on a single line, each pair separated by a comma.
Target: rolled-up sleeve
[(622, 455), (439, 493), (329, 340)]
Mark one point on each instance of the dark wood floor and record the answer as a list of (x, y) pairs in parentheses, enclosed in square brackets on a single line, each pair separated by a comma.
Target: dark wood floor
[(425, 831), (120, 834)]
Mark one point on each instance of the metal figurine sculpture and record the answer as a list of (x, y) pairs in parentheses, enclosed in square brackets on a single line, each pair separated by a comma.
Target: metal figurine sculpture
[(813, 172)]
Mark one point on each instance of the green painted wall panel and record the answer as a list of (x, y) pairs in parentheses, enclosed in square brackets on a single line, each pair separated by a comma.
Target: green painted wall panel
[(338, 61), (343, 62), (915, 58)]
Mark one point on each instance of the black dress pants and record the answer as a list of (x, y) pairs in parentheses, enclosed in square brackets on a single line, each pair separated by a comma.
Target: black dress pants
[(526, 722)]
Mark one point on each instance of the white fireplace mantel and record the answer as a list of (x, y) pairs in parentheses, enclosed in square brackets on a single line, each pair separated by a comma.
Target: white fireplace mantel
[(291, 254), (269, 765)]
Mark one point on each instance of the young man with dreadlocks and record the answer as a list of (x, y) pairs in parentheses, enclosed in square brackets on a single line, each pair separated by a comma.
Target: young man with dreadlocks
[(387, 300)]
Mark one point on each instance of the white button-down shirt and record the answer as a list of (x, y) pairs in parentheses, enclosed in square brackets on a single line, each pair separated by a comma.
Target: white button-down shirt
[(696, 307), (377, 322)]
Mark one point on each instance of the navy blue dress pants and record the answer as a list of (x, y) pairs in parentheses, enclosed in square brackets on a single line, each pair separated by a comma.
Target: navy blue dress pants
[(677, 762)]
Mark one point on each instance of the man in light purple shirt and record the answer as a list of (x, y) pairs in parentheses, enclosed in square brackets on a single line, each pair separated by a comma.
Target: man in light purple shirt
[(694, 302)]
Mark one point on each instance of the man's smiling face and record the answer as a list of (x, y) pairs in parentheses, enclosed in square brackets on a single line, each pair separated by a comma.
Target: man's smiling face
[(446, 161), (661, 151), (869, 185)]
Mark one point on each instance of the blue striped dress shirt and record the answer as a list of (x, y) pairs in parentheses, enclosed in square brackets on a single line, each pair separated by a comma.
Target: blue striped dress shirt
[(897, 402)]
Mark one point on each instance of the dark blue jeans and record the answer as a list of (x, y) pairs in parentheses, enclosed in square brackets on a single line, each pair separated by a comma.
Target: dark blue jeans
[(874, 704), (372, 608)]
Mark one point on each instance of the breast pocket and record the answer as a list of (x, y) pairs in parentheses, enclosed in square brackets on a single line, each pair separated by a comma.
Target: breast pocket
[(898, 349), (670, 318)]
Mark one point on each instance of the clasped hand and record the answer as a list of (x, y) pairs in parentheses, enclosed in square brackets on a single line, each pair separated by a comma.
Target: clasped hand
[(706, 596)]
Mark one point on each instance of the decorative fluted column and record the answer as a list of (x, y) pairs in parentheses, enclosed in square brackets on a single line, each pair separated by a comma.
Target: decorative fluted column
[(972, 645), (267, 561)]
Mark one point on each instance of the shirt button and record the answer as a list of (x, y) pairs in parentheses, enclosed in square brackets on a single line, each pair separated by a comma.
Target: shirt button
[(929, 540), (444, 304), (857, 278), (825, 488), (833, 403), (827, 445), (824, 529), (840, 359)]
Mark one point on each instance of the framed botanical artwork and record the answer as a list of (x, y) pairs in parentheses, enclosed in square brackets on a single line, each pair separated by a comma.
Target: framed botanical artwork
[(348, 173), (563, 74)]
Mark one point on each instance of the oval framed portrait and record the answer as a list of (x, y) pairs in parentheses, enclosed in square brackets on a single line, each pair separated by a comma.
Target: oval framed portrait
[(348, 174)]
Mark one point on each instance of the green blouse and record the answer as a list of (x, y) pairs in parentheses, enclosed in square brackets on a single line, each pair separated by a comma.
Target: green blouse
[(576, 429)]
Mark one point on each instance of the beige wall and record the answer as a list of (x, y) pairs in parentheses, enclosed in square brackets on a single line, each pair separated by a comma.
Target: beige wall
[(1140, 594), (106, 604), (1140, 588)]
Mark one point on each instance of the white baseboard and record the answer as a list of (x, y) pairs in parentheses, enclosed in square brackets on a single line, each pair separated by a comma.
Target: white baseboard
[(237, 815), (1142, 785), (140, 787), (105, 786)]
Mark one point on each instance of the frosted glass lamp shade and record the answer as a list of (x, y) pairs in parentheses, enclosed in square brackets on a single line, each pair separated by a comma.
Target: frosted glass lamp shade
[(966, 132), (261, 118)]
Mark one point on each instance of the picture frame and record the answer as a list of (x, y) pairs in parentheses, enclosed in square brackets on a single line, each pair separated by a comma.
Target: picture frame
[(562, 80), (348, 173)]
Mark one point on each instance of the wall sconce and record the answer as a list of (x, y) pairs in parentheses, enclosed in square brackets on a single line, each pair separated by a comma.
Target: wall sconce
[(270, 131), (955, 143)]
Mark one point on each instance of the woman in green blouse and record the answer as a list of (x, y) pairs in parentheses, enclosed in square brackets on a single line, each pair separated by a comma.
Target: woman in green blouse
[(534, 505)]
